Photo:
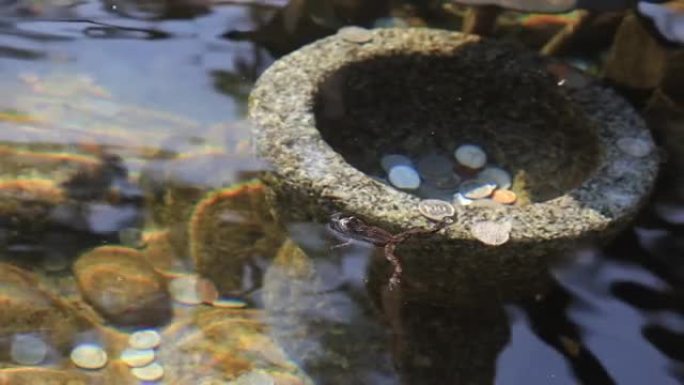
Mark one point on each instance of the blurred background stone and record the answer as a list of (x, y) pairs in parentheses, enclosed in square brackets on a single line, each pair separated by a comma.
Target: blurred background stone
[(229, 228), (29, 308), (122, 286)]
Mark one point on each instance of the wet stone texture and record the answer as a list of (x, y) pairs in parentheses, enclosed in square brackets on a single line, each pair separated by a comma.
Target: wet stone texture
[(175, 186), (33, 376), (123, 287), (412, 91), (27, 308), (227, 229), (28, 203), (218, 346)]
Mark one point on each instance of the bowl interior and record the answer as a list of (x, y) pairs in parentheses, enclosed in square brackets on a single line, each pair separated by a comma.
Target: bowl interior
[(418, 104)]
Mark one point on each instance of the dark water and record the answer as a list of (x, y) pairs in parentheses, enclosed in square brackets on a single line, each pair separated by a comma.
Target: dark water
[(155, 84)]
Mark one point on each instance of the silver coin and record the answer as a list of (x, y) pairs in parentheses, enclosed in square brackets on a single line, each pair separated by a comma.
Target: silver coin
[(354, 34), (635, 147), (436, 209), (476, 189), (491, 233)]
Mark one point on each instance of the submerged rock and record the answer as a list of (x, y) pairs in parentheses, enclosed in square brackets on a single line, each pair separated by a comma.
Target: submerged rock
[(174, 187), (33, 376), (227, 229), (27, 308), (28, 203), (60, 166), (122, 286), (67, 190), (222, 345), (159, 252)]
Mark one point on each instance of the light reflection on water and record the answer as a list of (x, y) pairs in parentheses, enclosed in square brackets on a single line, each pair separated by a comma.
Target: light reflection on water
[(168, 97)]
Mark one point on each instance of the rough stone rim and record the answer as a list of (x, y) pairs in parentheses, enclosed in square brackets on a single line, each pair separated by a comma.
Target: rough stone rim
[(286, 121)]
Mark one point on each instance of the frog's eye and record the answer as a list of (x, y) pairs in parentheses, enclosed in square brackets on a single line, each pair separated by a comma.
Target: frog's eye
[(345, 222)]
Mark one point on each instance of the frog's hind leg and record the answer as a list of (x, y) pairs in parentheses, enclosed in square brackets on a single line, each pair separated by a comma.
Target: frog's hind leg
[(395, 278)]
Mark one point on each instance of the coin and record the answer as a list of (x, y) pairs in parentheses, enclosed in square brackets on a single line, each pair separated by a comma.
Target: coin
[(471, 156), (506, 197), (436, 209), (89, 356), (491, 233), (354, 34), (635, 147)]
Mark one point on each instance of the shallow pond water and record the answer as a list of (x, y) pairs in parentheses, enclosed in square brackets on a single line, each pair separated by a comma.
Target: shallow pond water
[(127, 203)]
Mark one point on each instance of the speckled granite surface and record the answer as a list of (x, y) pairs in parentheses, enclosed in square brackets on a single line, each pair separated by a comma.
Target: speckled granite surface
[(311, 107)]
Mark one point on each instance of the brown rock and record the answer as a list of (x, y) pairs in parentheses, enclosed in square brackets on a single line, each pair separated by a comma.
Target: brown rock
[(175, 186), (20, 163), (33, 376), (223, 345), (122, 286), (27, 308), (27, 203), (636, 59), (229, 227), (159, 251)]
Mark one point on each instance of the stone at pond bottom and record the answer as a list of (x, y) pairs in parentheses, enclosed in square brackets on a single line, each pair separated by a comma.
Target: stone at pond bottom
[(228, 228), (120, 284), (491, 233), (391, 160), (136, 358), (495, 175), (151, 372), (42, 376), (130, 236), (476, 189), (255, 377), (159, 250), (55, 263), (28, 203), (28, 349), (89, 356), (144, 339), (404, 177), (28, 309), (220, 345), (471, 156)]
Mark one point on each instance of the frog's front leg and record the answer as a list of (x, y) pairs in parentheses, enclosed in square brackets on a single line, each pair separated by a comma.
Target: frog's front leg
[(341, 245)]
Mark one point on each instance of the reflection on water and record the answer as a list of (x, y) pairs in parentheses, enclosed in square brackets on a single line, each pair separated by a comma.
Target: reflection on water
[(127, 203)]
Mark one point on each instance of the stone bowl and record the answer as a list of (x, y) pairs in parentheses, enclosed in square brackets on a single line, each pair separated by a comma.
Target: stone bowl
[(325, 114)]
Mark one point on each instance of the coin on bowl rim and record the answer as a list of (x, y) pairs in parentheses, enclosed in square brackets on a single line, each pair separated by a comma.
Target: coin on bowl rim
[(436, 209)]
